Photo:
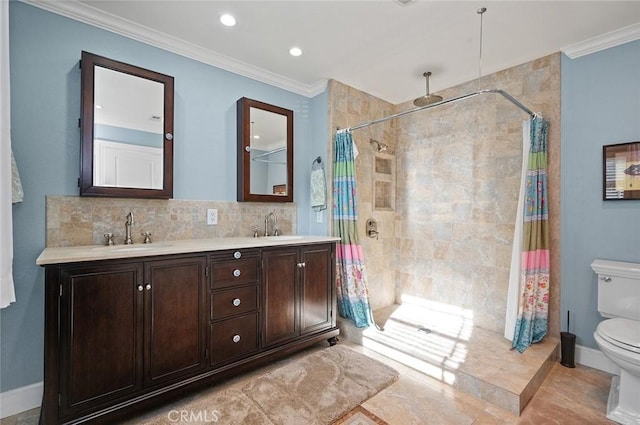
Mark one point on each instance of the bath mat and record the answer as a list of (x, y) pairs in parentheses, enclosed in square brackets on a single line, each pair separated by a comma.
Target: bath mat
[(317, 389), (360, 416)]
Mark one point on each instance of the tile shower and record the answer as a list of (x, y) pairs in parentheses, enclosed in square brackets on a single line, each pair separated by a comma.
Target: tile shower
[(449, 238)]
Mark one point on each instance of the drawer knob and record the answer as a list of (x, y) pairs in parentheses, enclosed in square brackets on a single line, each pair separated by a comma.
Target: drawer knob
[(140, 288), (301, 265), (236, 273), (148, 287), (237, 255), (236, 338), (236, 302)]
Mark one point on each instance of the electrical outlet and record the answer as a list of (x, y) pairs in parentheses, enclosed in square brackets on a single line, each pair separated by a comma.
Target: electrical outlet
[(212, 216), (319, 216)]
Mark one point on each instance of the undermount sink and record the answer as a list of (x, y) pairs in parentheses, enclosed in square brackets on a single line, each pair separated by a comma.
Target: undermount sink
[(126, 248), (284, 237)]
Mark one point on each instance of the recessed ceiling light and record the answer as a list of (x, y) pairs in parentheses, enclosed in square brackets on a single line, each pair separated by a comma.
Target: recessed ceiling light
[(228, 20), (295, 51)]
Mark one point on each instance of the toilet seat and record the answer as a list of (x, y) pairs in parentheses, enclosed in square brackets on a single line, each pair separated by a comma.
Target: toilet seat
[(622, 333)]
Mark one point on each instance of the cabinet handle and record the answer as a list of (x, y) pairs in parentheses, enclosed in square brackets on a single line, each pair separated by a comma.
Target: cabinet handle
[(301, 265), (236, 338), (236, 273), (140, 288), (148, 287), (237, 255), (236, 302)]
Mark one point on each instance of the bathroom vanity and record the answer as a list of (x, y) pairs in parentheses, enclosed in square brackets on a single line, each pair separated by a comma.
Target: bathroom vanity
[(128, 327)]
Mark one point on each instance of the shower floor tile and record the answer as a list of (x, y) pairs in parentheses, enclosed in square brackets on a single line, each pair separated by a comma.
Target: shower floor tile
[(446, 346)]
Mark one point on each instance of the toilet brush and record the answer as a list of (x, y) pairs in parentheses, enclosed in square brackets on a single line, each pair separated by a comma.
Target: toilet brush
[(567, 346)]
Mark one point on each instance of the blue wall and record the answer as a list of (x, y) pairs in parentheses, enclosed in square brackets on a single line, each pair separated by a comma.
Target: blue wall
[(128, 135), (600, 106), (45, 107)]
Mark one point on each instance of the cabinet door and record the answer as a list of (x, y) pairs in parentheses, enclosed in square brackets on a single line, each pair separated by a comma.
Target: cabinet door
[(280, 292), (316, 303), (175, 319), (100, 335)]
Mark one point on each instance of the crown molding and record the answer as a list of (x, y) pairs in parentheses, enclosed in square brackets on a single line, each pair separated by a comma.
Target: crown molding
[(100, 19), (603, 41)]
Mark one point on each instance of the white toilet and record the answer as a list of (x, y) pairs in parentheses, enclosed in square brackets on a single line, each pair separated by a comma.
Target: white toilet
[(619, 336)]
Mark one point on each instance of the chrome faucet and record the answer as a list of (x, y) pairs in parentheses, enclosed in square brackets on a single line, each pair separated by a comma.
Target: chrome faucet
[(127, 229), (274, 224)]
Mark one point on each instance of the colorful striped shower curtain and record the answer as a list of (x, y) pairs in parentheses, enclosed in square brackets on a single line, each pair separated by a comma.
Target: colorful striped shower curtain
[(533, 308), (351, 276)]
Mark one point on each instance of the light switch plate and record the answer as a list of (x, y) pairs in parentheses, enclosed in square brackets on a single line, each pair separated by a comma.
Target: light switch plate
[(212, 216)]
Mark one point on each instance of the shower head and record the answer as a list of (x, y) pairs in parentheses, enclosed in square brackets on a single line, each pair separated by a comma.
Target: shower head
[(378, 146), (427, 99)]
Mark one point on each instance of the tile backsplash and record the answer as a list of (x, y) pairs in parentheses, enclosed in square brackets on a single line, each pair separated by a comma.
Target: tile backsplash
[(74, 221)]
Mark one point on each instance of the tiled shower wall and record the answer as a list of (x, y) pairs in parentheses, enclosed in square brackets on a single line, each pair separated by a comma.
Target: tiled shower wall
[(73, 220), (348, 106), (458, 173)]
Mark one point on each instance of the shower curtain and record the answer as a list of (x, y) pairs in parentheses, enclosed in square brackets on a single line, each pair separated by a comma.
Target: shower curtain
[(530, 263), (351, 276)]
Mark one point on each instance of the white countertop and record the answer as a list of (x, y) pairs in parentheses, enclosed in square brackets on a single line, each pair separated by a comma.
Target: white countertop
[(73, 254)]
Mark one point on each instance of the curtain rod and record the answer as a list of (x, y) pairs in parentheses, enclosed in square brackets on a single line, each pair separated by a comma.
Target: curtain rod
[(444, 102)]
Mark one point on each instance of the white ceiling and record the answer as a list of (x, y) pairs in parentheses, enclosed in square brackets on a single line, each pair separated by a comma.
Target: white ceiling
[(379, 46)]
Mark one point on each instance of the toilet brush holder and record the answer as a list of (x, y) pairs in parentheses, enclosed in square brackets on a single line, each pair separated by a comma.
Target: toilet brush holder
[(567, 346), (567, 349)]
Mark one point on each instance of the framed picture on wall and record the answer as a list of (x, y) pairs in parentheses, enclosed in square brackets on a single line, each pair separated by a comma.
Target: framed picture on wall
[(621, 171), (280, 189)]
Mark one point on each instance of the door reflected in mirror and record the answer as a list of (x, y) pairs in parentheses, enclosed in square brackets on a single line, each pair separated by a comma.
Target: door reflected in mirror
[(265, 152), (127, 130)]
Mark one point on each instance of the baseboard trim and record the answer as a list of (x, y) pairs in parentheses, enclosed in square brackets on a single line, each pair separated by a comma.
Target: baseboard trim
[(596, 359), (20, 399)]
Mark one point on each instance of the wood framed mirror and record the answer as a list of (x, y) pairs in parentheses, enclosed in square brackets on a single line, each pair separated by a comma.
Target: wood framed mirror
[(126, 130), (265, 152)]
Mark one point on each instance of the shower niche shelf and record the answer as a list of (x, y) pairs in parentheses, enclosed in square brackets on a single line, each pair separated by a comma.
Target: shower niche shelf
[(384, 182)]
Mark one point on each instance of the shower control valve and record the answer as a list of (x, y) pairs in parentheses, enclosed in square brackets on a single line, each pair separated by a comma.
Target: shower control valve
[(372, 229)]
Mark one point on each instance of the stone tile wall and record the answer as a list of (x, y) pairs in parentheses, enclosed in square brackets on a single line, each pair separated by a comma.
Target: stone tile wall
[(348, 106), (458, 176), (73, 220)]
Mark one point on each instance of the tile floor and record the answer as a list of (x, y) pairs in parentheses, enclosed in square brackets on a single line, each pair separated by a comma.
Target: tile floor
[(445, 345), (567, 397)]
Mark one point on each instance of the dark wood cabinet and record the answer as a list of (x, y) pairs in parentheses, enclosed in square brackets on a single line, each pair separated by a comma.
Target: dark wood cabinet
[(175, 319), (317, 299), (235, 305), (298, 292), (124, 335), (101, 329), (280, 287), (129, 326)]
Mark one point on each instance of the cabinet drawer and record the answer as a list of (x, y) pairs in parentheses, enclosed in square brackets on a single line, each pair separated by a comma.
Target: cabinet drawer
[(234, 301), (234, 338), (229, 273)]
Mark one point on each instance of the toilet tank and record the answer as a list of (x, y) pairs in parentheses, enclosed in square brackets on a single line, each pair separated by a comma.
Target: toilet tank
[(618, 288)]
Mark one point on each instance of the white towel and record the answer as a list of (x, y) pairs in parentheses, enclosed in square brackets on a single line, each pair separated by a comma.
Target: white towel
[(17, 195), (318, 188)]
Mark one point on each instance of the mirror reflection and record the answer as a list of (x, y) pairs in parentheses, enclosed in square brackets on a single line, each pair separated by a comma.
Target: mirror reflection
[(268, 142), (265, 152), (127, 130)]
